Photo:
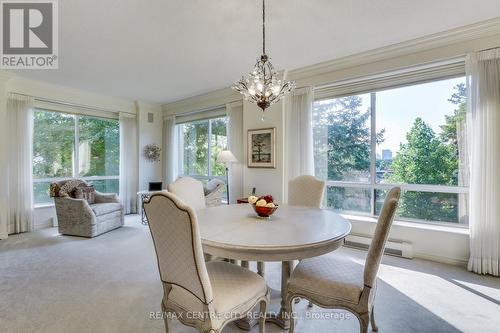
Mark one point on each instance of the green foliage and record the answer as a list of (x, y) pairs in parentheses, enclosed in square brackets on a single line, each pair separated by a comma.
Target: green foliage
[(427, 158), (348, 132), (54, 146), (424, 158), (53, 142), (103, 138), (196, 144)]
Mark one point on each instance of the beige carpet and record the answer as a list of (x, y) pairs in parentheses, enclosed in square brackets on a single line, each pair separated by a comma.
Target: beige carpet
[(53, 283)]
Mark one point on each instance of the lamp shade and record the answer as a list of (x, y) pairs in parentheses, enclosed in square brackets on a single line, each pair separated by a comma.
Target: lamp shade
[(226, 157)]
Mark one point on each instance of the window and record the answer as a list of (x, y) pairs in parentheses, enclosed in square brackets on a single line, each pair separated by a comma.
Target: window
[(200, 142), (74, 146), (413, 136)]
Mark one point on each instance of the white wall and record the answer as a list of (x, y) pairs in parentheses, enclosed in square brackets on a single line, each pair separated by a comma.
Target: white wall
[(149, 133), (266, 181)]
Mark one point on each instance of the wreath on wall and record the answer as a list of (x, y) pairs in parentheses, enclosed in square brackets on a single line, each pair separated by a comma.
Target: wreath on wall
[(152, 152)]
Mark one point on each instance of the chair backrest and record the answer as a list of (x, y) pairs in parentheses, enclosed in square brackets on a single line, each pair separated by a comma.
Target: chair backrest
[(380, 236), (306, 191), (176, 238), (213, 184), (190, 191), (65, 188)]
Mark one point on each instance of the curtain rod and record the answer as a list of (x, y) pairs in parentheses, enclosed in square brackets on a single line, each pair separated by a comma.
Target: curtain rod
[(81, 106)]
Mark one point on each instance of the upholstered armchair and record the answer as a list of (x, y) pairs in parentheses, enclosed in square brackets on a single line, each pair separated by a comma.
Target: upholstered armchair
[(205, 296), (190, 191), (78, 217), (214, 192), (335, 282)]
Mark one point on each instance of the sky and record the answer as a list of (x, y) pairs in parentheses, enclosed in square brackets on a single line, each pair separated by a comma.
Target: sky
[(398, 108)]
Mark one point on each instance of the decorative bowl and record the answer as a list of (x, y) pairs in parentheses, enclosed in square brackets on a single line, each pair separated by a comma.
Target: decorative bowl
[(263, 211)]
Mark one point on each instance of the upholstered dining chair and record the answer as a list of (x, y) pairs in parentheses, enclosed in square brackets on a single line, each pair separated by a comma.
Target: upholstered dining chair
[(336, 282), (190, 191), (203, 296), (306, 191)]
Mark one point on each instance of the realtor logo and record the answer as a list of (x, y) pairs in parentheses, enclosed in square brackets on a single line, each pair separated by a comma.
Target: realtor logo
[(29, 34)]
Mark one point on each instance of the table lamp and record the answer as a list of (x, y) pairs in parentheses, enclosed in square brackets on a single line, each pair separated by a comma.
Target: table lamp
[(226, 157)]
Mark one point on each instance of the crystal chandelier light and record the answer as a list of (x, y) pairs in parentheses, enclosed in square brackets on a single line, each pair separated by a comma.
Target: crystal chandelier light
[(263, 86)]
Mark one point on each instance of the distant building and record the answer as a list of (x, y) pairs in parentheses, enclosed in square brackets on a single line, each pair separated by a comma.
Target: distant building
[(386, 154)]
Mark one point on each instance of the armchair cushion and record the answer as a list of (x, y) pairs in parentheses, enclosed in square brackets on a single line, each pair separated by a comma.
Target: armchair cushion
[(331, 277), (105, 208)]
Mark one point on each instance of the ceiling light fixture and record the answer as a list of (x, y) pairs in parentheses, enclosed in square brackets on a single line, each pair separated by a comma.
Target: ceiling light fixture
[(263, 86)]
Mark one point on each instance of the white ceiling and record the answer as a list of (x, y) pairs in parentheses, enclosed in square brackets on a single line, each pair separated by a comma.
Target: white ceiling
[(166, 50)]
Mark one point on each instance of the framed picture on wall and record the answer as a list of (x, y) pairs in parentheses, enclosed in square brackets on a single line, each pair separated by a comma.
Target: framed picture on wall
[(261, 148)]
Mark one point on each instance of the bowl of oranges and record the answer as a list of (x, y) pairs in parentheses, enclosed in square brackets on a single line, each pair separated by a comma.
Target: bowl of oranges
[(263, 206)]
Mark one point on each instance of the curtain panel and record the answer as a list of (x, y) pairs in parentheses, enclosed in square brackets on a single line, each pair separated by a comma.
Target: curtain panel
[(20, 163), (129, 163), (299, 135), (235, 145), (483, 86), (170, 148)]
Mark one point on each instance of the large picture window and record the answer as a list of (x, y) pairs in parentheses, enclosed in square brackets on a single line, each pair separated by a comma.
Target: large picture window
[(200, 142), (413, 136), (74, 146)]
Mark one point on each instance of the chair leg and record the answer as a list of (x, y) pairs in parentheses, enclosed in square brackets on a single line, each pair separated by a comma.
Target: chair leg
[(261, 268), (262, 317), (165, 317), (289, 314), (165, 320), (363, 323), (244, 264), (372, 319), (310, 305)]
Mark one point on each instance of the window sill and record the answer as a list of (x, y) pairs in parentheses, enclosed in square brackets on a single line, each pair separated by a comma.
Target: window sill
[(459, 229), (46, 205)]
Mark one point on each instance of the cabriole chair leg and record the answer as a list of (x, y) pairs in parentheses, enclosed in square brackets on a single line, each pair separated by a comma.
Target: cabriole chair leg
[(372, 319), (363, 323), (262, 317), (289, 313)]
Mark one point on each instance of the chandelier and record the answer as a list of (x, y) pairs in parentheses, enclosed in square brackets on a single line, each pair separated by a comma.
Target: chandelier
[(263, 86)]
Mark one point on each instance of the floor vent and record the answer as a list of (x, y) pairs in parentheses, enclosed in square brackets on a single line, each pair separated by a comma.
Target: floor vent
[(393, 247)]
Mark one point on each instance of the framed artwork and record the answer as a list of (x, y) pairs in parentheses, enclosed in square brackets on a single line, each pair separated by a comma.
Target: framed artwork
[(261, 148)]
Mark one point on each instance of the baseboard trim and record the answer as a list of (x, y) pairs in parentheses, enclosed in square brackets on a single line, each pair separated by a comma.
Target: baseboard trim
[(4, 235), (441, 259)]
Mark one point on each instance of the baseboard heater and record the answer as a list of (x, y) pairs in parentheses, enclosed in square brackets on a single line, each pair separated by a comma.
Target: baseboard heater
[(393, 247)]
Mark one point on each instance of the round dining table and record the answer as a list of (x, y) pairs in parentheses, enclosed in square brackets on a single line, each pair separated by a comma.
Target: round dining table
[(291, 233)]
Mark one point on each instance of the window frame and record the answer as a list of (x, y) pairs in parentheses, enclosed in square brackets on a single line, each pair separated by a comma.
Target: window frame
[(76, 156), (180, 140), (373, 186)]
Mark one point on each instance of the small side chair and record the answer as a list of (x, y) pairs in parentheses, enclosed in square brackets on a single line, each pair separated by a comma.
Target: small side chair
[(306, 191), (204, 296), (335, 282)]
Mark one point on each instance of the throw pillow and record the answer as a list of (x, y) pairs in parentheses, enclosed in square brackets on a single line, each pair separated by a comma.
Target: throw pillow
[(85, 192)]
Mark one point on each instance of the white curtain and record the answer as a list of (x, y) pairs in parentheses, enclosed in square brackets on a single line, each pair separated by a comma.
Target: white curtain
[(483, 73), (170, 149), (299, 134), (235, 145), (129, 163), (20, 163)]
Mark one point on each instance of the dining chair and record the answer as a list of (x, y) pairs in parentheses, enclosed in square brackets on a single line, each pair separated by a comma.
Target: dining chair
[(336, 282), (190, 191), (204, 296), (306, 191)]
